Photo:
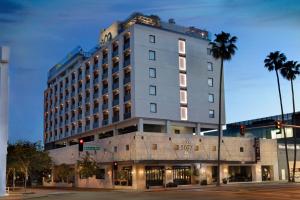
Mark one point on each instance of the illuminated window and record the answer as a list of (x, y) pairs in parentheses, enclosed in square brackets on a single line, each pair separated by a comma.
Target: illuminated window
[(153, 107), (181, 46), (152, 38), (182, 63), (183, 113), (210, 98), (152, 90), (210, 82), (182, 80), (152, 55), (209, 66), (183, 96), (211, 114)]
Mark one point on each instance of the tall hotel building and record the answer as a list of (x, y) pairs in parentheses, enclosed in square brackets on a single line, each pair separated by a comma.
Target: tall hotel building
[(140, 101)]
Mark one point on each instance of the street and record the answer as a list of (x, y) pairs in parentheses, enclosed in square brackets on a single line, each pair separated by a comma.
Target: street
[(276, 191)]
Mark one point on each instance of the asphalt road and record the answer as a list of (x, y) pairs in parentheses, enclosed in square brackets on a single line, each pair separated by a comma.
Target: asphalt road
[(236, 192)]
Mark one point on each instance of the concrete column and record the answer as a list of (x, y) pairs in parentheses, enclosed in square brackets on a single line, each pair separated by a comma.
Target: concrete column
[(256, 173), (168, 126), (198, 129), (141, 125)]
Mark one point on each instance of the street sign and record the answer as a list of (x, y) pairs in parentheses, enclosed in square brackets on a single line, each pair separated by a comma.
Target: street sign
[(91, 148)]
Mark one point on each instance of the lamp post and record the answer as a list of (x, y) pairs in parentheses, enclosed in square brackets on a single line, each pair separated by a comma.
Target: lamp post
[(4, 58)]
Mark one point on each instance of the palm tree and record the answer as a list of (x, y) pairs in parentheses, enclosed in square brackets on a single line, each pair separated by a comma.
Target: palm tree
[(290, 72), (275, 61), (223, 48)]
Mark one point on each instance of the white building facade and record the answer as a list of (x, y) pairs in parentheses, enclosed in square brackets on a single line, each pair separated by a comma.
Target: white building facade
[(142, 97)]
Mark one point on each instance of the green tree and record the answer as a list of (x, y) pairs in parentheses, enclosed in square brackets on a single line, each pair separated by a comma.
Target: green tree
[(29, 159), (223, 48), (87, 166), (64, 172), (290, 71), (274, 62)]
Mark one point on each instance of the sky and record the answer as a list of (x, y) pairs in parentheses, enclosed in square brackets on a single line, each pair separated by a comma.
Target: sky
[(41, 32)]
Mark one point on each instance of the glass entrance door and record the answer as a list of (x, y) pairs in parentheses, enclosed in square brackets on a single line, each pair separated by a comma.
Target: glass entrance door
[(182, 175), (154, 175)]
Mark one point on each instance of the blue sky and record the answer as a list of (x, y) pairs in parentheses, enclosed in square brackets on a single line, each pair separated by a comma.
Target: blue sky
[(40, 33)]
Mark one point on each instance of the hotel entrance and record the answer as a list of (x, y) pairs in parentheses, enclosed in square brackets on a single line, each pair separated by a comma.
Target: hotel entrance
[(182, 175), (154, 175)]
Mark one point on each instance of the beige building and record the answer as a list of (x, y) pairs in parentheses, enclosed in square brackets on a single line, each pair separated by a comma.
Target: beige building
[(140, 101)]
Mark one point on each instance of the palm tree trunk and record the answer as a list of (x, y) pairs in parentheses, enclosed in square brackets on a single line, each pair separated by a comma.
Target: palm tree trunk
[(284, 133), (294, 131), (219, 125)]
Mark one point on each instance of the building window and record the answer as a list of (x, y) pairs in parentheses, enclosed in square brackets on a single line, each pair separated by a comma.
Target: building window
[(177, 131), (209, 66), (153, 107), (181, 46), (211, 114), (197, 148), (152, 55), (211, 98), (127, 147), (183, 96), (241, 149), (182, 80), (154, 146), (183, 113), (214, 148), (182, 63), (115, 149), (152, 72), (152, 38), (176, 147), (210, 82), (208, 51), (152, 90), (100, 173)]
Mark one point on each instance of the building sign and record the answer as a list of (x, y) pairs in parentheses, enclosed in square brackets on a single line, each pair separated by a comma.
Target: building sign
[(257, 149), (91, 148), (187, 148)]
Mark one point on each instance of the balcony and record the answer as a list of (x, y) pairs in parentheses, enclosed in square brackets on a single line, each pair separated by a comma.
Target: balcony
[(115, 69), (126, 44), (79, 116), (87, 127), (115, 118), (96, 110), (96, 95), (104, 74), (87, 99), (72, 94), (73, 119), (127, 115), (73, 132), (104, 106), (104, 122), (96, 124), (105, 90), (67, 121), (80, 77), (115, 53), (126, 79), (127, 97), (115, 102), (95, 67), (87, 72), (80, 90), (73, 81), (80, 103), (126, 62), (67, 96), (115, 85), (104, 60), (87, 85), (96, 80), (73, 106), (79, 130), (61, 124), (66, 109), (66, 85), (87, 113)]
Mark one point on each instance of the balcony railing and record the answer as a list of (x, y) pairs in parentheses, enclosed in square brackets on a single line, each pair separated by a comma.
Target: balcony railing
[(104, 122), (67, 121), (73, 81), (72, 94), (96, 95), (115, 118), (80, 90), (87, 85), (73, 132), (73, 106), (95, 110), (96, 80), (87, 99), (87, 127), (87, 113), (115, 69), (126, 79), (104, 106), (79, 130), (126, 45), (79, 116), (115, 85), (80, 77), (105, 90), (66, 109), (73, 119), (66, 85), (80, 103), (127, 115), (126, 62), (104, 60), (115, 102), (127, 97), (105, 74)]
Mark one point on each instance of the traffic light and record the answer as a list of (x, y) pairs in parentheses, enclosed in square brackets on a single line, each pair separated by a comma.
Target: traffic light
[(80, 145), (115, 166), (278, 124), (242, 130)]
